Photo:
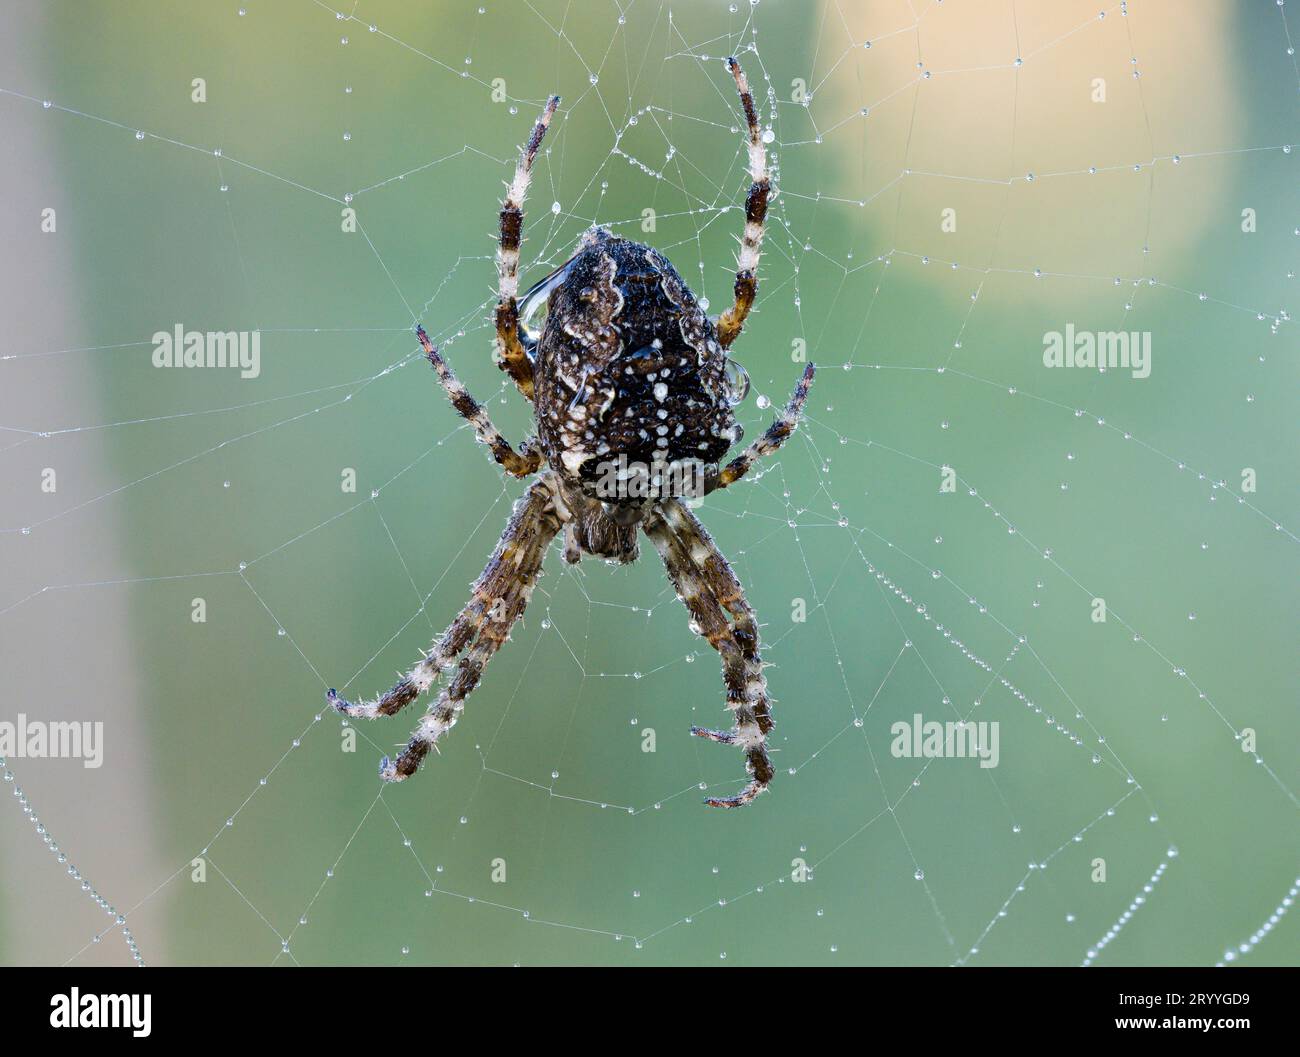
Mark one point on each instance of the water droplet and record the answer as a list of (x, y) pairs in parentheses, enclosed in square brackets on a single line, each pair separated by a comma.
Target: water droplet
[(737, 383), (538, 298)]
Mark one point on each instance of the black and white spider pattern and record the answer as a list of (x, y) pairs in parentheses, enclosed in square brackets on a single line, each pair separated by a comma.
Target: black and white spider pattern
[(627, 371)]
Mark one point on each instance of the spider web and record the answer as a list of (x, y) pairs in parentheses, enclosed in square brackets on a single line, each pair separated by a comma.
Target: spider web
[(236, 819)]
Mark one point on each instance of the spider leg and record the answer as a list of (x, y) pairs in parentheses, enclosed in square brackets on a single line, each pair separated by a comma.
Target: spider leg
[(742, 670), (511, 576), (771, 440), (472, 411), (517, 558), (721, 579), (730, 322), (512, 358)]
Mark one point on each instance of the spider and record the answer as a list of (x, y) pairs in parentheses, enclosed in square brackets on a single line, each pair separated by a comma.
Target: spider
[(627, 371)]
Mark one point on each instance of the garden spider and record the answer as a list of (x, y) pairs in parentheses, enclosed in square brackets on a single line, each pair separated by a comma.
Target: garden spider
[(631, 385)]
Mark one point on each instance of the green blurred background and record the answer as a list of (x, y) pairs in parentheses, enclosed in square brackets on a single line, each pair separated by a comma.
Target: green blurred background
[(1073, 484)]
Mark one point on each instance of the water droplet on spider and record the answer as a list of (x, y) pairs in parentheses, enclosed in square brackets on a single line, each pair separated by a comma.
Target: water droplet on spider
[(538, 298), (737, 383), (768, 135)]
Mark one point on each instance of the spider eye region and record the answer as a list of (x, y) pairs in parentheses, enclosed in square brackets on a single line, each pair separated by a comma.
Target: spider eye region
[(628, 368)]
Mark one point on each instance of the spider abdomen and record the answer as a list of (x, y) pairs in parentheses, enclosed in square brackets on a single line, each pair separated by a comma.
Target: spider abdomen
[(631, 379)]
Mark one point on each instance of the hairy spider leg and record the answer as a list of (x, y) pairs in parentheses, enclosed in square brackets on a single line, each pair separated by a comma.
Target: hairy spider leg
[(504, 588), (522, 545), (514, 463), (742, 675), (511, 356), (730, 322), (722, 580), (773, 437)]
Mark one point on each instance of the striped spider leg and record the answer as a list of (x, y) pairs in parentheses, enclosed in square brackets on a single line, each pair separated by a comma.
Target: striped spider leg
[(760, 187), (499, 598), (773, 437), (511, 354), (707, 585)]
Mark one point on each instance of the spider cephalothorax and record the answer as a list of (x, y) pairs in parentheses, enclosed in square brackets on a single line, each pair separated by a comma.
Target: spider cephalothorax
[(633, 391)]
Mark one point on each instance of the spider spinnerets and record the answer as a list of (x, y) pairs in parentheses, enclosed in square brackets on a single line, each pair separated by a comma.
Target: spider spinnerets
[(632, 390)]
